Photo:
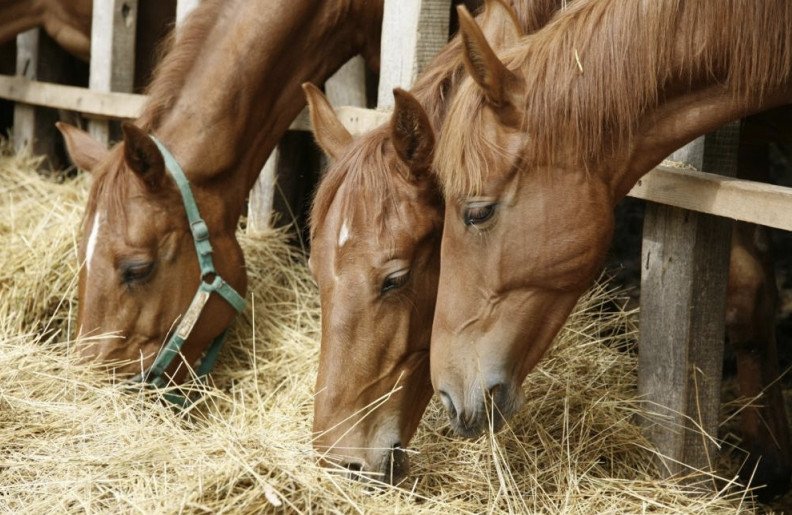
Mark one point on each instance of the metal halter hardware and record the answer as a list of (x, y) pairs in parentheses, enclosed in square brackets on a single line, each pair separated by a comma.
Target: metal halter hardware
[(211, 282)]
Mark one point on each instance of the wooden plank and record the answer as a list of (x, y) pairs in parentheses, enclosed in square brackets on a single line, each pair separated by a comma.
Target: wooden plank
[(38, 57), (412, 33), (685, 259), (184, 8), (748, 201), (112, 53), (347, 87), (109, 105), (94, 104), (262, 195)]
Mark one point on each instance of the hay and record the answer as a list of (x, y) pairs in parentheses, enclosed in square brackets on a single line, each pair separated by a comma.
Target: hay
[(73, 441)]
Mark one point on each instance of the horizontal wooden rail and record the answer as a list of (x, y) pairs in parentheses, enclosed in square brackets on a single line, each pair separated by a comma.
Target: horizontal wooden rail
[(755, 202), (94, 104), (126, 106)]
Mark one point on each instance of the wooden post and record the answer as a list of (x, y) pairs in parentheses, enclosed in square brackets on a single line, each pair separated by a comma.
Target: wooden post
[(684, 273), (112, 53), (38, 58), (183, 8), (412, 34), (347, 87), (262, 195)]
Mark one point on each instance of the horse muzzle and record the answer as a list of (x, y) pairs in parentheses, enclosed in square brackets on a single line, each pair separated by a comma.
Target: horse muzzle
[(486, 411), (393, 466)]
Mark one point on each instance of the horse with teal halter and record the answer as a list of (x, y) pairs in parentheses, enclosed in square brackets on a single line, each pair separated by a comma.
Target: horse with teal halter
[(211, 282)]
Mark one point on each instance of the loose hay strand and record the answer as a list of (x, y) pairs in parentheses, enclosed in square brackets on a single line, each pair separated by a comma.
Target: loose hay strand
[(73, 440)]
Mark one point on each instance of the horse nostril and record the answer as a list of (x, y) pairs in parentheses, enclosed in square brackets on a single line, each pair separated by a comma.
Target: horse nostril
[(495, 390), (396, 465), (449, 404)]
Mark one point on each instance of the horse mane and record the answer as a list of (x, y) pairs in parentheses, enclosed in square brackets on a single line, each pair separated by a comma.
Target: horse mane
[(176, 60), (591, 74), (365, 163)]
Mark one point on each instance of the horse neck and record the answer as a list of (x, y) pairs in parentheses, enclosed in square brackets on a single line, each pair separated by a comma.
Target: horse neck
[(241, 91), (683, 68), (18, 16)]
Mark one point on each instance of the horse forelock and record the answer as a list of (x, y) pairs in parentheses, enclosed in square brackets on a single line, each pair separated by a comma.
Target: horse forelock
[(589, 76), (110, 189), (365, 177)]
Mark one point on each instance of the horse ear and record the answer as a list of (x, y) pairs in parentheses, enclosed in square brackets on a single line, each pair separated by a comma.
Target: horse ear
[(487, 70), (499, 24), (142, 156), (328, 130), (84, 151), (411, 132)]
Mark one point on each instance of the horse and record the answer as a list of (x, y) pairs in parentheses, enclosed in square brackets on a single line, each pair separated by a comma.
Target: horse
[(540, 143), (223, 95), (67, 22), (375, 239)]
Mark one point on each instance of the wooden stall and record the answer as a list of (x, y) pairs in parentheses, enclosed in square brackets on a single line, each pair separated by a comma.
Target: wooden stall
[(685, 254)]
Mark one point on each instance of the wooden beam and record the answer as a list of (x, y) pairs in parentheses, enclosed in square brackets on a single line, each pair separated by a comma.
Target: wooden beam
[(748, 201), (125, 106), (412, 34), (94, 104), (684, 273), (112, 53)]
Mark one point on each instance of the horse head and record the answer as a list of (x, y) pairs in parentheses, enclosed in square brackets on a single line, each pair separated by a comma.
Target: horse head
[(375, 237)]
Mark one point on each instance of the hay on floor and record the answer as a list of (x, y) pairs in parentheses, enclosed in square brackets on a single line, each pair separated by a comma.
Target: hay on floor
[(73, 441)]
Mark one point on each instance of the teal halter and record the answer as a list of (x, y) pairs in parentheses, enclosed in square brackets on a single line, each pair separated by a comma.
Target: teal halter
[(211, 282)]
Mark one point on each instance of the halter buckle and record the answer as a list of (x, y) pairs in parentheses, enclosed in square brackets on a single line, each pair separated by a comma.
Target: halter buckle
[(199, 230)]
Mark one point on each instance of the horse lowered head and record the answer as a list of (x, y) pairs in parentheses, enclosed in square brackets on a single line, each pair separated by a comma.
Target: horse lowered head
[(376, 226), (539, 147), (518, 249), (139, 268)]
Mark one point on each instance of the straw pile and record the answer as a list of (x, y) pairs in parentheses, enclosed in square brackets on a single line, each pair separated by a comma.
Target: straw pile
[(72, 441)]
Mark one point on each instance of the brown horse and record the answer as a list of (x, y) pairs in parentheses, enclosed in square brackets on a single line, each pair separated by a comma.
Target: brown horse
[(68, 22), (541, 145), (375, 238), (221, 99)]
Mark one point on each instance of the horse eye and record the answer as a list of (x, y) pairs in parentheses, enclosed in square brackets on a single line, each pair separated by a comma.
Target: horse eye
[(476, 214), (136, 272), (395, 280)]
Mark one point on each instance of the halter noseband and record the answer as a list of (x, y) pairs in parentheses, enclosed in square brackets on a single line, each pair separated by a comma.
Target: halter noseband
[(211, 282)]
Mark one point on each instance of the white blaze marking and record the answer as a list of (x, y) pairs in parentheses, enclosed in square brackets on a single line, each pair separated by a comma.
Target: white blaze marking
[(89, 250), (343, 234)]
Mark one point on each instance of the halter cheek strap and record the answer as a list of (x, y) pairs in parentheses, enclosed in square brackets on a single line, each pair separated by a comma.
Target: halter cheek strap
[(211, 282)]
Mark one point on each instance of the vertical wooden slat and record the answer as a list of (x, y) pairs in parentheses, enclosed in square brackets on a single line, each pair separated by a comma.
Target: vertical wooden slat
[(347, 87), (184, 8), (276, 188), (38, 58), (413, 31), (684, 273), (262, 196), (112, 53)]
